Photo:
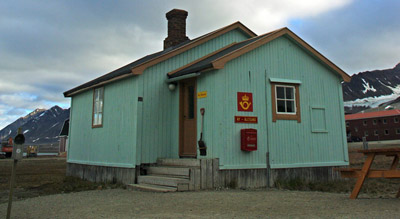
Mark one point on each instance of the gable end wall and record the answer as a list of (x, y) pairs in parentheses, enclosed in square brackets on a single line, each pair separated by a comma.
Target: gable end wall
[(289, 143)]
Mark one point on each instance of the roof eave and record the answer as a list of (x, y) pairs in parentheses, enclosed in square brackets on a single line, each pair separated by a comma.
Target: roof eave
[(138, 70), (220, 62), (75, 91)]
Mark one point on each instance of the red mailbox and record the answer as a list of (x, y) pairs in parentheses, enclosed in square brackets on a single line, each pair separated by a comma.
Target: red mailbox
[(248, 139)]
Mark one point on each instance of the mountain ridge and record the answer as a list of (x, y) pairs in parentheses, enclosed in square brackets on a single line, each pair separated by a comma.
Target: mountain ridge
[(40, 126), (370, 89)]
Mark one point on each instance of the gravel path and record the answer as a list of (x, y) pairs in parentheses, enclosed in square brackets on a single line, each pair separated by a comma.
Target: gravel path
[(118, 203)]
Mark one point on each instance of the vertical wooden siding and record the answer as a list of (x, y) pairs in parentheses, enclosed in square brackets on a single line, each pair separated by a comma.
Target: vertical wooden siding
[(115, 143), (160, 122), (290, 144)]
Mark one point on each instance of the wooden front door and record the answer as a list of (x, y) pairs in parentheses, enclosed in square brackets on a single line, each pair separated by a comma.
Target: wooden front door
[(187, 118)]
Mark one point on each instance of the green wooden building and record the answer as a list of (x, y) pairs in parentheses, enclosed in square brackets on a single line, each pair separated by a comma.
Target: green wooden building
[(141, 123)]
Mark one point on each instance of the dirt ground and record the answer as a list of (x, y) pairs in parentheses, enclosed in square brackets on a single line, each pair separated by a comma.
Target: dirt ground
[(41, 187), (41, 176), (119, 203)]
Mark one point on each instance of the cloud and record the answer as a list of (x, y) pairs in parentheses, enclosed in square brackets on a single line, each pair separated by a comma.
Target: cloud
[(53, 46), (260, 16), (363, 36)]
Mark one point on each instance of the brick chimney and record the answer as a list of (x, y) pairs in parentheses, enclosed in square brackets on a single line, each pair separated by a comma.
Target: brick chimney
[(176, 28)]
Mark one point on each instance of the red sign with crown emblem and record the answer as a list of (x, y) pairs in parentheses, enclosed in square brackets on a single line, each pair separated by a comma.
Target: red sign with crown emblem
[(245, 101)]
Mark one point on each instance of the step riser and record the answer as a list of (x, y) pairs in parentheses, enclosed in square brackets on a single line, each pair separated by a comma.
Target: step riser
[(150, 188), (181, 172), (179, 162), (173, 182)]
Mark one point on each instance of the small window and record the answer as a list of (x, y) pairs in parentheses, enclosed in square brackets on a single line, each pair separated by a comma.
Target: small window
[(366, 133), (365, 122), (98, 102), (398, 131), (396, 120), (285, 102), (355, 129), (376, 133), (374, 122), (347, 124), (386, 132), (384, 121)]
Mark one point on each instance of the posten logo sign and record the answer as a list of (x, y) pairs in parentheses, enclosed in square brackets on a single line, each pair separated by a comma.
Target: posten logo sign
[(245, 101)]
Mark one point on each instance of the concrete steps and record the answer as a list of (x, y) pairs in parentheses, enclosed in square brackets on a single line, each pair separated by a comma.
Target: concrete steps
[(181, 184), (179, 172), (169, 175)]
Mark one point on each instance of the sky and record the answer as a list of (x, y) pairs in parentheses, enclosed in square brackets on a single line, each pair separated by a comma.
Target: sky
[(48, 47)]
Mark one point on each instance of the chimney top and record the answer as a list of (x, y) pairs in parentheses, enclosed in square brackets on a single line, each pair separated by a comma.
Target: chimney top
[(176, 28), (176, 13)]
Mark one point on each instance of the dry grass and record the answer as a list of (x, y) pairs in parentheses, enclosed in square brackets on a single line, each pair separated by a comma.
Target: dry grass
[(371, 187), (42, 176)]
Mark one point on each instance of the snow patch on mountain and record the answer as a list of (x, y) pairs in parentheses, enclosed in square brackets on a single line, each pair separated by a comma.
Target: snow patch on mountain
[(367, 87), (373, 102)]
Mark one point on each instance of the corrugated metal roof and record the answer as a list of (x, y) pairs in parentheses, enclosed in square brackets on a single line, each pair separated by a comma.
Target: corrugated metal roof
[(372, 114)]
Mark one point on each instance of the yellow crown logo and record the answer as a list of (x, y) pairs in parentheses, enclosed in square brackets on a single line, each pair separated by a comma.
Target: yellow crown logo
[(245, 98)]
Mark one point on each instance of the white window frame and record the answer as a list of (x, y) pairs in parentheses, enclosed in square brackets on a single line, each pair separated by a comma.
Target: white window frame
[(98, 106), (284, 99)]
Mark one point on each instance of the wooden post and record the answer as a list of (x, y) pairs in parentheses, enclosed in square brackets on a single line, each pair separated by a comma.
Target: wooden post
[(365, 143), (17, 153), (12, 181), (361, 178)]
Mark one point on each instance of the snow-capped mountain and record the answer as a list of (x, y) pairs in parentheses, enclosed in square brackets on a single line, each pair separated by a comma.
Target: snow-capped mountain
[(371, 89), (39, 127)]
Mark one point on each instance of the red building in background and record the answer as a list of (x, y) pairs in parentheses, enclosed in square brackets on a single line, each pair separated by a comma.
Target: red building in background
[(375, 126)]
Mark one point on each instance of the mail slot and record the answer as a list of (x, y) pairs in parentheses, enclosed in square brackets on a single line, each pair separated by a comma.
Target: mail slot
[(248, 139)]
